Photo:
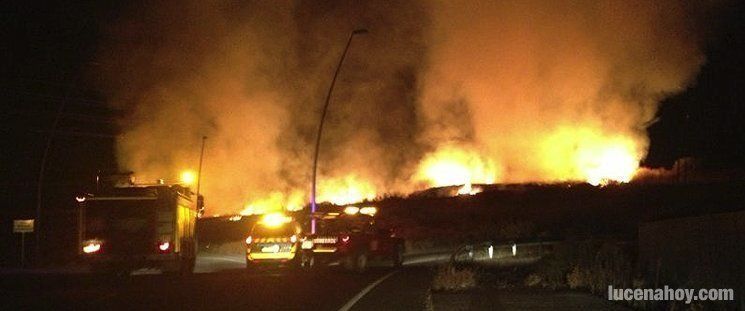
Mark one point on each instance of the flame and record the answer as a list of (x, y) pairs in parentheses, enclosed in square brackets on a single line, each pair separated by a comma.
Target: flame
[(274, 202), (468, 189), (345, 190), (609, 163), (584, 153), (453, 165)]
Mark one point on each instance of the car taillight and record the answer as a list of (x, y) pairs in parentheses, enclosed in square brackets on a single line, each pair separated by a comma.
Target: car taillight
[(249, 240), (91, 246), (345, 238), (307, 244), (293, 238), (164, 246)]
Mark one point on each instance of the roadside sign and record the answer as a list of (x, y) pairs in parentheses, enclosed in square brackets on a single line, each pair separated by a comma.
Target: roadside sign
[(23, 225)]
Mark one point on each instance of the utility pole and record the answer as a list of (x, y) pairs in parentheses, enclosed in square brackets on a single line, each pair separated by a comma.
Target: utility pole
[(199, 172)]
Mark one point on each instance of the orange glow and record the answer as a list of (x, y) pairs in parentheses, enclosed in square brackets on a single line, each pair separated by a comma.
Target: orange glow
[(188, 177), (452, 165), (345, 190), (274, 202), (586, 154), (467, 189), (275, 220)]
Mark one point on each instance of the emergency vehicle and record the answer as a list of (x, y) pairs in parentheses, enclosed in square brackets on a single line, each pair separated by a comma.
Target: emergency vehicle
[(352, 237), (139, 226), (277, 240)]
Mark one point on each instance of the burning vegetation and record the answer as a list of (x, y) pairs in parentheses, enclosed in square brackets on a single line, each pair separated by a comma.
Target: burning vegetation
[(437, 94)]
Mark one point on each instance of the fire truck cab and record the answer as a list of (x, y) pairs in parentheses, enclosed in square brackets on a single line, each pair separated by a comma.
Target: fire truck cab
[(352, 237), (138, 226)]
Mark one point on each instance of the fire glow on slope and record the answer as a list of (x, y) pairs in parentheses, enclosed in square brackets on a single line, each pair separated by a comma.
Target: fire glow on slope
[(452, 165), (339, 191), (582, 153), (345, 190)]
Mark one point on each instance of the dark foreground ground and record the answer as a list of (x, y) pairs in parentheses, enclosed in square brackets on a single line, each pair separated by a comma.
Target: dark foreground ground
[(221, 284)]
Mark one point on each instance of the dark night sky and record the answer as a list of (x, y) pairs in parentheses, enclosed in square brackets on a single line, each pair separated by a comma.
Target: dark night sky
[(48, 47)]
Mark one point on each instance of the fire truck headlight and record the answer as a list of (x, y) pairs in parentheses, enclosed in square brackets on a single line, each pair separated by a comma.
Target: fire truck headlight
[(91, 246)]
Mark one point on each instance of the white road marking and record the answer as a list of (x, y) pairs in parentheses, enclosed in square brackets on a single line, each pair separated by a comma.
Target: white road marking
[(230, 259), (364, 292)]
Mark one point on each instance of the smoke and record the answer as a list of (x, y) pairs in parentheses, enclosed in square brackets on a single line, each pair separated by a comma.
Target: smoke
[(252, 77), (545, 86), (526, 90)]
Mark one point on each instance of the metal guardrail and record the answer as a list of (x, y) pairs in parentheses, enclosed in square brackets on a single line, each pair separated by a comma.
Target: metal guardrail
[(512, 253)]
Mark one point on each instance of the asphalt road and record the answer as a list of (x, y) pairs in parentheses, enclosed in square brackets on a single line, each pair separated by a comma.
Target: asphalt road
[(219, 283)]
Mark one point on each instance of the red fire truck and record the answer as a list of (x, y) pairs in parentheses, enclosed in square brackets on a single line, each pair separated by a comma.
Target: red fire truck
[(139, 226)]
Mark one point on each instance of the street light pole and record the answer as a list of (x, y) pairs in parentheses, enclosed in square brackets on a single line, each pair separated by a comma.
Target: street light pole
[(199, 171), (320, 126)]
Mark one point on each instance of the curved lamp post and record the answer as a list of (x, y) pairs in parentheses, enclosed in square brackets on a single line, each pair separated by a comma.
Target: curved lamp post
[(320, 126)]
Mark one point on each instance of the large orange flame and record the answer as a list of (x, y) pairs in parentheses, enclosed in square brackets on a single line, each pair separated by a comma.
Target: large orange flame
[(453, 165), (583, 153), (345, 190)]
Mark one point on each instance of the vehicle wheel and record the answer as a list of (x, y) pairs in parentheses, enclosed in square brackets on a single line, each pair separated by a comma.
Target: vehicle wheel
[(398, 256), (360, 263), (348, 262)]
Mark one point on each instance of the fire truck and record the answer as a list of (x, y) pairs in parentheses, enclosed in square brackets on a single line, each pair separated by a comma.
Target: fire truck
[(128, 227), (352, 237)]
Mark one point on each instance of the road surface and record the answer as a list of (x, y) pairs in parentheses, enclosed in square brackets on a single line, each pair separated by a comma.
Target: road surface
[(220, 283)]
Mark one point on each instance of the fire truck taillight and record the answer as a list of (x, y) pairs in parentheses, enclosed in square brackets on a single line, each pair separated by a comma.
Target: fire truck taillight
[(249, 240), (164, 246), (91, 246), (345, 238)]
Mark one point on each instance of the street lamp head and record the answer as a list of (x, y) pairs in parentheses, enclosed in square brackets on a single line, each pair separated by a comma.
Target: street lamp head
[(359, 31)]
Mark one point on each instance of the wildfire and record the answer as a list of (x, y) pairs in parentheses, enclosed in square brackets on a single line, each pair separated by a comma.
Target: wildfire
[(452, 165), (468, 189), (585, 154), (274, 202), (345, 190), (611, 163)]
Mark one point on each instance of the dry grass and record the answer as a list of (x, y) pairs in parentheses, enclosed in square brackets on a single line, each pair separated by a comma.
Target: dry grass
[(448, 278)]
